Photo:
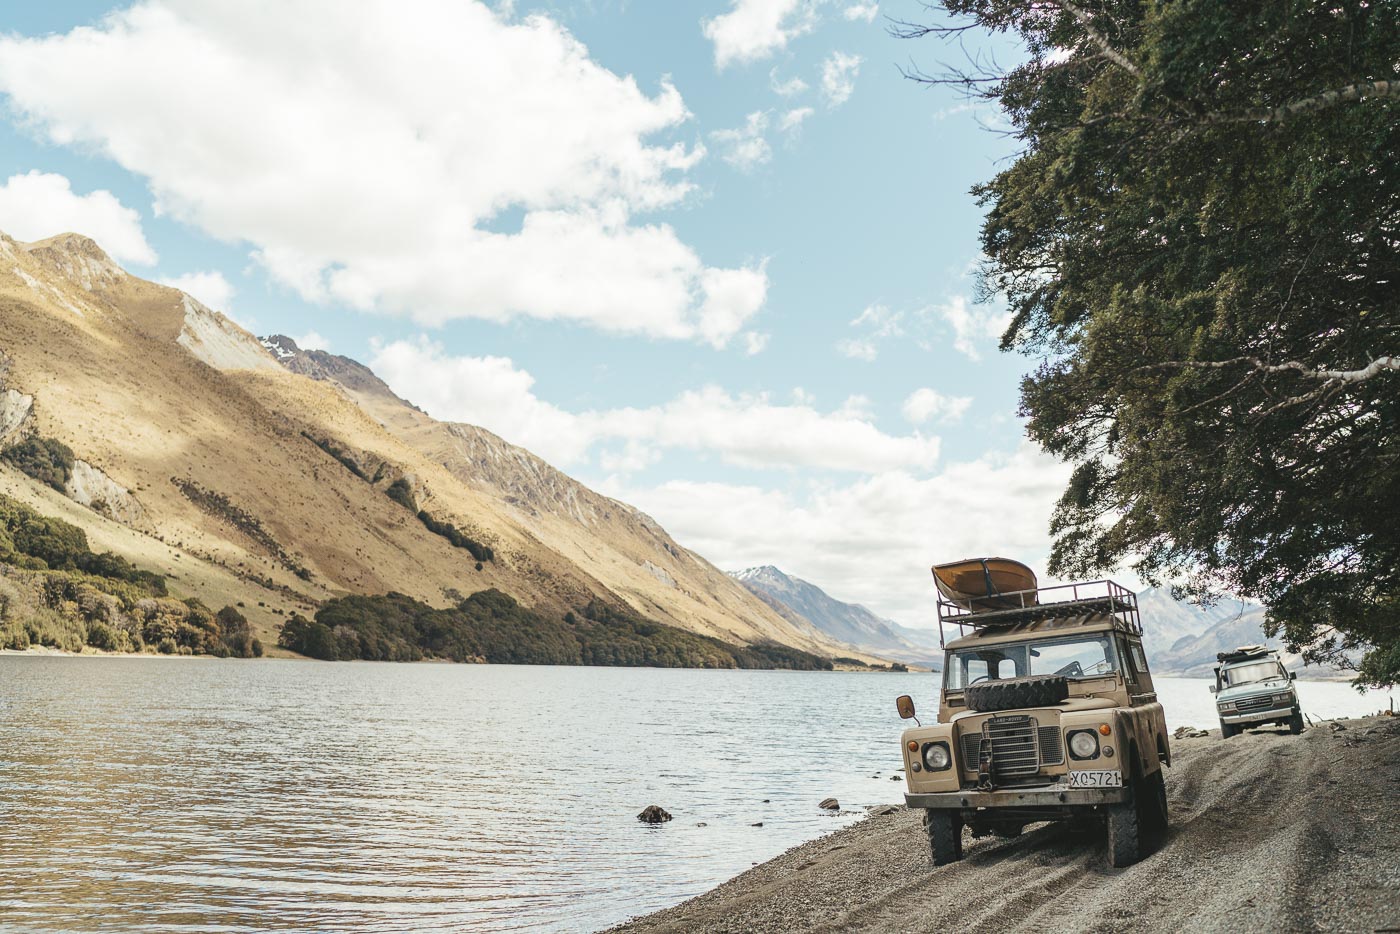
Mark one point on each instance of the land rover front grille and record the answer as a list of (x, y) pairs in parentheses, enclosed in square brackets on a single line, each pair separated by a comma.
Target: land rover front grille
[(1019, 746), (1257, 702)]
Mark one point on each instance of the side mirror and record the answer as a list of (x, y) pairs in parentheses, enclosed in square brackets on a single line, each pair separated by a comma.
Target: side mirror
[(1213, 689), (1293, 676), (905, 705)]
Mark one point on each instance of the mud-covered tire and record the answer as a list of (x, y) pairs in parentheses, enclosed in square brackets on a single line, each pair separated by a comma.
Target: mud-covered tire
[(1227, 730), (1015, 693), (945, 835), (1152, 803), (1295, 722), (1124, 834)]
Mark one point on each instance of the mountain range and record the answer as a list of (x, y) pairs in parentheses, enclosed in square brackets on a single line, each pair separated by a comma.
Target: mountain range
[(259, 474), (804, 602)]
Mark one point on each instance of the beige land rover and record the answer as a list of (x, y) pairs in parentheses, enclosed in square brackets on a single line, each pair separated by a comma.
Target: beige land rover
[(1047, 713)]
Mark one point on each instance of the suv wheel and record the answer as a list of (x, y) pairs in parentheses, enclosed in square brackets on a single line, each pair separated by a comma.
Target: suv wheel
[(1016, 693), (1152, 803), (945, 833), (1295, 722), (1226, 730), (1124, 846)]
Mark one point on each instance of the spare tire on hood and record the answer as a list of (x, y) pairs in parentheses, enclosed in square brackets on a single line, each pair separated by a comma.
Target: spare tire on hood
[(1014, 693)]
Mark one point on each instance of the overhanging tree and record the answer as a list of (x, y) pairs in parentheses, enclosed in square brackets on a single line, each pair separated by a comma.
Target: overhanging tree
[(1200, 240)]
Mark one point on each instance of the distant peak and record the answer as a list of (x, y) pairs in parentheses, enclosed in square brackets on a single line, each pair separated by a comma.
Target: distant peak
[(78, 259), (282, 346), (761, 572)]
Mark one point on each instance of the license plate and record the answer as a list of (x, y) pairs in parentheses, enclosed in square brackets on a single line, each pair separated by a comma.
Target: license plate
[(1096, 778)]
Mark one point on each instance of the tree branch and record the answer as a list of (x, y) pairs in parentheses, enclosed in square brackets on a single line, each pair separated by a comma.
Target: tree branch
[(1348, 94), (1109, 52), (1374, 368)]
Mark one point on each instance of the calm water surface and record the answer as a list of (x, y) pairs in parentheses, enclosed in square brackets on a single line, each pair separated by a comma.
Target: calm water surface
[(208, 795)]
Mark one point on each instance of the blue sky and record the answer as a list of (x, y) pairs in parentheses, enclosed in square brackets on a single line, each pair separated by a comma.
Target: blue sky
[(713, 258)]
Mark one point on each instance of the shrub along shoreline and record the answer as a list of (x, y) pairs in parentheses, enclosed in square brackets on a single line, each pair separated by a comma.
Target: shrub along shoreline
[(491, 627)]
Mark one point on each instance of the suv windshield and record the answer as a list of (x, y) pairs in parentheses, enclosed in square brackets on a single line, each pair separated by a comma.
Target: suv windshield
[(1254, 671), (1084, 656)]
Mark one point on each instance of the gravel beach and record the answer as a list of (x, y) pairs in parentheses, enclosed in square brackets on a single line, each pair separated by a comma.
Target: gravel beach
[(1269, 832)]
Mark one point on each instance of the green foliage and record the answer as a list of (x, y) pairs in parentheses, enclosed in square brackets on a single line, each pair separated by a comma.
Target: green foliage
[(44, 459), (459, 540), (1201, 240), (490, 626), (402, 493), (218, 506), (340, 454), (29, 540)]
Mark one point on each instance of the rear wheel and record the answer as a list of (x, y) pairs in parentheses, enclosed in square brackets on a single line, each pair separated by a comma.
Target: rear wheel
[(945, 833), (1226, 730), (1295, 722)]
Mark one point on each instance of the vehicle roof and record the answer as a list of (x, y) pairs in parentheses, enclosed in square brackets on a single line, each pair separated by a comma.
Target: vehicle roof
[(1040, 629)]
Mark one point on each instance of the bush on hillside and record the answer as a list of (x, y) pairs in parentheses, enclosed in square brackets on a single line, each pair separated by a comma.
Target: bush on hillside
[(44, 459)]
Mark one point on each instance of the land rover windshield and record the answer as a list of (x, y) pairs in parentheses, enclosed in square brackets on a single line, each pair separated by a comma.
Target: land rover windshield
[(1086, 656), (1254, 671)]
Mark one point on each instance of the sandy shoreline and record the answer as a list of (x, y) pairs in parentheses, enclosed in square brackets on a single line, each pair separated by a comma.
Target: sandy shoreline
[(1270, 832)]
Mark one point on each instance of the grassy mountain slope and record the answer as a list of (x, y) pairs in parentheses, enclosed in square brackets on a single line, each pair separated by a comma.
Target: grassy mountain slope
[(246, 480)]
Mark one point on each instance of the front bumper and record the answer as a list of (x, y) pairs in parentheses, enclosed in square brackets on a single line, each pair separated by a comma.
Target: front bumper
[(1052, 796), (1258, 716)]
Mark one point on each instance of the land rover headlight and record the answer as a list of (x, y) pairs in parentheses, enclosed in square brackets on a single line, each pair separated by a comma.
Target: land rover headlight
[(937, 757), (1084, 744)]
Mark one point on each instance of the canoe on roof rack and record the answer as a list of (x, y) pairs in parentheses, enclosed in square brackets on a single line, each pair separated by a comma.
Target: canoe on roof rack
[(977, 584)]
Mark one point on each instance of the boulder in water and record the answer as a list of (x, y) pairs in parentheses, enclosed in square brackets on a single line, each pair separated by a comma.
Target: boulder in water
[(653, 814), (830, 804)]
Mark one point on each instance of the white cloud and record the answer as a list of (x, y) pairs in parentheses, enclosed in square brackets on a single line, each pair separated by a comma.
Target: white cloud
[(791, 121), (789, 88), (871, 540), (745, 147), (746, 430), (209, 286), (839, 73), (312, 340), (925, 404), (755, 343), (39, 205), (972, 326), (754, 29), (858, 349), (865, 11), (370, 159)]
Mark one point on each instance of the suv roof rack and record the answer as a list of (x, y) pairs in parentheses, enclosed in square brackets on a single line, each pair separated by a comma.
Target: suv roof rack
[(1103, 597), (1244, 653)]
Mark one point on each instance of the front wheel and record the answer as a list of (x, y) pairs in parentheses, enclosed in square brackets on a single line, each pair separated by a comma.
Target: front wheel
[(1227, 730), (1152, 803), (1124, 842), (1295, 722), (945, 833)]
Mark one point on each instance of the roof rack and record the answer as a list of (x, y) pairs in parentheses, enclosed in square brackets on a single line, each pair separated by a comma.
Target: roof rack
[(1244, 653), (1041, 603)]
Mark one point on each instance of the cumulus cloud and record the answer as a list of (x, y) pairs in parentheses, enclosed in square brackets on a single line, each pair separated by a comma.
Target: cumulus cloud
[(749, 430), (208, 286), (429, 157), (926, 404), (753, 30), (862, 11), (858, 349), (878, 322), (789, 88), (38, 205), (745, 147), (791, 121), (312, 340), (839, 72), (873, 539), (755, 343), (972, 327)]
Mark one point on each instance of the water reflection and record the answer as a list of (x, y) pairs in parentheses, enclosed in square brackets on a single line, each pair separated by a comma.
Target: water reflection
[(218, 795)]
